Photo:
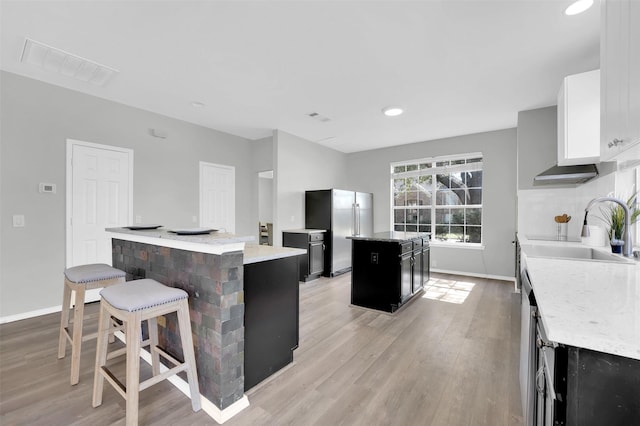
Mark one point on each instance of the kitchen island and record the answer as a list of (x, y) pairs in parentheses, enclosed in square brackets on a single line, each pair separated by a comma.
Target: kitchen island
[(223, 304), (583, 347), (389, 269)]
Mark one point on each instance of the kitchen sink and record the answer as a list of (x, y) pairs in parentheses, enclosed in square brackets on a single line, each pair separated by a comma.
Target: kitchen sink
[(573, 253)]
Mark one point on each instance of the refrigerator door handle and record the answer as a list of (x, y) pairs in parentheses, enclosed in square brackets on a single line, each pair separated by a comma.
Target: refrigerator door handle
[(356, 216)]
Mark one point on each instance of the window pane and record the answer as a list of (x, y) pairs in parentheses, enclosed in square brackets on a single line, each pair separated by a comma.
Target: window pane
[(457, 161), (474, 179), (425, 166), (398, 216), (457, 216), (424, 228), (399, 169), (473, 216), (442, 163), (456, 233), (474, 160), (474, 234), (412, 167), (441, 232), (443, 216), (412, 216), (398, 227), (412, 228), (475, 196), (424, 216), (442, 181)]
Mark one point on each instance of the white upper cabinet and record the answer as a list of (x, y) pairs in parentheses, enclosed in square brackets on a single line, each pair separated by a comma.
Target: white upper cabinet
[(620, 85), (579, 119)]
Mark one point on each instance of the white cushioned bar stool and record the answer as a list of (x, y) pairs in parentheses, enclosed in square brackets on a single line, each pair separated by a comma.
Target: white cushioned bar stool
[(79, 279), (132, 303)]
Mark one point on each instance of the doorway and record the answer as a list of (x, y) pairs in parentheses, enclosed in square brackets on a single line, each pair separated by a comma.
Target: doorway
[(218, 197), (99, 195)]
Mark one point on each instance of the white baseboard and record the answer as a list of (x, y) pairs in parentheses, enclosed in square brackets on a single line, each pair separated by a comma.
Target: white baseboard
[(471, 274), (30, 314), (220, 416)]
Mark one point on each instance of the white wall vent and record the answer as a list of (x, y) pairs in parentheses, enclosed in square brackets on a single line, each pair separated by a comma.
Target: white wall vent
[(56, 60)]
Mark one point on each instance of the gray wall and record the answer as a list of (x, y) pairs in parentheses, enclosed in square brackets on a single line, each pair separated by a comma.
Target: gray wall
[(37, 119), (369, 171), (301, 165), (537, 145)]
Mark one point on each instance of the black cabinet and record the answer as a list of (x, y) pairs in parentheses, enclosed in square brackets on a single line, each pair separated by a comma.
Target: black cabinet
[(312, 265), (387, 274), (271, 303)]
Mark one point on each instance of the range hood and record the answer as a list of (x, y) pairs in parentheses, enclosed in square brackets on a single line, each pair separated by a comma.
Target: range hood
[(567, 174)]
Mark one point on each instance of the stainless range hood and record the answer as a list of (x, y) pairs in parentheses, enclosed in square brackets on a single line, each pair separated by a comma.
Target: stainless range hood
[(567, 174)]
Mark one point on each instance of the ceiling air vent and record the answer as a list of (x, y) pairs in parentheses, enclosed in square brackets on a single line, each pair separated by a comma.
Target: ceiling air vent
[(319, 117), (65, 63)]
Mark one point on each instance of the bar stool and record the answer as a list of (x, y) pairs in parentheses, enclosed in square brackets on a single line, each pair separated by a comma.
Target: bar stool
[(132, 303), (79, 279)]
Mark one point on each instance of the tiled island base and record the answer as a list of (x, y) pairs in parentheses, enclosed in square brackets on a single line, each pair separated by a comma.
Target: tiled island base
[(214, 283)]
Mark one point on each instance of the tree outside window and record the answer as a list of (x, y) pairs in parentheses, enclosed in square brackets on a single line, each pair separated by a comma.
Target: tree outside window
[(440, 195)]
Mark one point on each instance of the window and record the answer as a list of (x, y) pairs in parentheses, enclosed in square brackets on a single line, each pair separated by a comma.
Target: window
[(440, 195)]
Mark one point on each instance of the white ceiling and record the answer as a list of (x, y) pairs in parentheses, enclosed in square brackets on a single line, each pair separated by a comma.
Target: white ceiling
[(457, 67)]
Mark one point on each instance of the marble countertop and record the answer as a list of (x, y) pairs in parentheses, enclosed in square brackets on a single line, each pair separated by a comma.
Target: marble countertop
[(391, 236), (588, 304), (305, 231), (213, 243), (254, 253)]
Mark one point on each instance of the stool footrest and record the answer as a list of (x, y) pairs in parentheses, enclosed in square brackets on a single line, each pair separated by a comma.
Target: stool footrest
[(160, 377), (117, 385)]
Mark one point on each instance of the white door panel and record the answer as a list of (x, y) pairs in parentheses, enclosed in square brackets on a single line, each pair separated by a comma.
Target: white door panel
[(99, 197), (217, 196)]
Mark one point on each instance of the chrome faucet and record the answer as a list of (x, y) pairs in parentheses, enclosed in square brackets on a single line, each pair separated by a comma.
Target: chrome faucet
[(627, 250)]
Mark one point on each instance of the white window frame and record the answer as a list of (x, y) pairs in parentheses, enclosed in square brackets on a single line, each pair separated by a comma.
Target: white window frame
[(434, 206)]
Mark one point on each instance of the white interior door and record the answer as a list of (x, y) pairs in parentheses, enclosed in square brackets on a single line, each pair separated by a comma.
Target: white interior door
[(218, 197), (99, 196)]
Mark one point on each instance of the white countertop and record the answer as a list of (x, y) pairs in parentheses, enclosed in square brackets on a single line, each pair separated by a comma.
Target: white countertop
[(254, 253), (214, 243), (588, 304)]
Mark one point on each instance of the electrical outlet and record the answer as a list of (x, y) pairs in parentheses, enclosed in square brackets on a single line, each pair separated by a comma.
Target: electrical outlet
[(374, 258)]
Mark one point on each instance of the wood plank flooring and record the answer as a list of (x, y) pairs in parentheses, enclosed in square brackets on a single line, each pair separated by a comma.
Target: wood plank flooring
[(432, 363)]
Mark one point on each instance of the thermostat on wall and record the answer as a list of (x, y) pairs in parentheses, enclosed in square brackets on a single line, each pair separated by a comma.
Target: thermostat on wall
[(48, 187)]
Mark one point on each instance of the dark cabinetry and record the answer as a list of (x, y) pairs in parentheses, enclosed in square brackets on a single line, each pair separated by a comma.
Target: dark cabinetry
[(271, 306), (312, 265), (386, 273), (572, 386)]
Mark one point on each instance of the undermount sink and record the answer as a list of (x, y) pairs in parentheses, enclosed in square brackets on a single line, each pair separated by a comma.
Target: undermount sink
[(573, 253)]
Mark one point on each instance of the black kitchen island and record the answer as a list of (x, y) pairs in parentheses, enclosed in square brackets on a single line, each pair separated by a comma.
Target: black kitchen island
[(389, 269)]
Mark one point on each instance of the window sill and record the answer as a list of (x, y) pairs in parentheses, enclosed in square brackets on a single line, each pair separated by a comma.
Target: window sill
[(467, 246)]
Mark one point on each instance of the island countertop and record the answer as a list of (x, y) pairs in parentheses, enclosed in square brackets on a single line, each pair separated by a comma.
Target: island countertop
[(588, 304), (390, 236), (213, 243), (254, 253)]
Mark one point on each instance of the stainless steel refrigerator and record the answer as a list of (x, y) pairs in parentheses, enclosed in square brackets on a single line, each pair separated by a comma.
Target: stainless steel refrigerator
[(342, 213)]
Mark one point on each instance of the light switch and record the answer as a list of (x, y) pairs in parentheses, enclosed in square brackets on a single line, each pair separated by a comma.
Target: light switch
[(18, 221)]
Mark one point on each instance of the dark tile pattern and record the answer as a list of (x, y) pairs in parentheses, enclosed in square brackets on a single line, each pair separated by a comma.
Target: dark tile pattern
[(216, 301)]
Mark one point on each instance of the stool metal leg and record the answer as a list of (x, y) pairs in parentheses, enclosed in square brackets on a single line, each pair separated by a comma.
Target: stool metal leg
[(64, 321), (189, 356)]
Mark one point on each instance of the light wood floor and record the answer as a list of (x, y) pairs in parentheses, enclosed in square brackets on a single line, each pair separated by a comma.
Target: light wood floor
[(432, 363)]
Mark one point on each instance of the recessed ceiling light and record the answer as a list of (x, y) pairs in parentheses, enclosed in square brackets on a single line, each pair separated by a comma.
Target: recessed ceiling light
[(392, 111), (197, 104), (578, 7)]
